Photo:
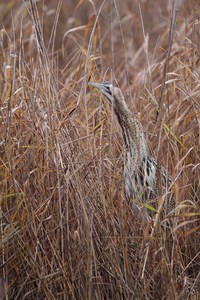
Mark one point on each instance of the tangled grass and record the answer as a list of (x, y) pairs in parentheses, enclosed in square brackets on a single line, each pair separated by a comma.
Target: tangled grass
[(67, 231)]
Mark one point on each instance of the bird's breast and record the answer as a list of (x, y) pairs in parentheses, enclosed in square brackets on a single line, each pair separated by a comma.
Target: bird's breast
[(140, 176)]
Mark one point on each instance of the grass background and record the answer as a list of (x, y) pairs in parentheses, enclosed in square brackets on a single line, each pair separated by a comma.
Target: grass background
[(67, 231)]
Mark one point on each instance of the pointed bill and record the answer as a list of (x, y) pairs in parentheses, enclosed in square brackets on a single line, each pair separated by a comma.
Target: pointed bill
[(97, 85)]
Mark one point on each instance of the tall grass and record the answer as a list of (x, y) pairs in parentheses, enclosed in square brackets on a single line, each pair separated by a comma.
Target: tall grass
[(67, 231)]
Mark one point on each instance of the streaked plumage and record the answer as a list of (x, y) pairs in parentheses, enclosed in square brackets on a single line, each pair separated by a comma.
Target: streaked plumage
[(140, 168)]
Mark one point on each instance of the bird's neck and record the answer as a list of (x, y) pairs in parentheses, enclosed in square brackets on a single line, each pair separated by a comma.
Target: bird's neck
[(133, 135)]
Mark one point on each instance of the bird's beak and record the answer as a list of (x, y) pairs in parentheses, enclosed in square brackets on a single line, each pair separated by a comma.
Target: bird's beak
[(95, 84)]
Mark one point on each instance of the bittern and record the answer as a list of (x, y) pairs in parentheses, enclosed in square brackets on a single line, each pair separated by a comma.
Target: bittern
[(141, 170)]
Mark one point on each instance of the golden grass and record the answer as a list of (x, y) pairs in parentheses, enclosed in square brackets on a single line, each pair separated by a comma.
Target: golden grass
[(67, 231)]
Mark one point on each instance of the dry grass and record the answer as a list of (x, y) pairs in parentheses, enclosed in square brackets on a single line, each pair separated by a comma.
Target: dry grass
[(66, 229)]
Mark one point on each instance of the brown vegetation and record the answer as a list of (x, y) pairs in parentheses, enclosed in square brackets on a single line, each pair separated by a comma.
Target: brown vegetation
[(67, 231)]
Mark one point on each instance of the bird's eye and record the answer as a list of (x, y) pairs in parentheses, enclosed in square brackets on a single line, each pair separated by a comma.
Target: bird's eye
[(108, 90)]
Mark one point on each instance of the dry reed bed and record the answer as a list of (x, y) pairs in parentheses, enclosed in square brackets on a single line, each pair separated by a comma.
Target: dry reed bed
[(67, 231)]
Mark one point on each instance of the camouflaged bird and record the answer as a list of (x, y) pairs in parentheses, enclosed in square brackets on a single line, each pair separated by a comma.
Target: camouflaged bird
[(140, 168)]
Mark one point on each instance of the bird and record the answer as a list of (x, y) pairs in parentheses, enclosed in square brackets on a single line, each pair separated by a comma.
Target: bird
[(141, 170)]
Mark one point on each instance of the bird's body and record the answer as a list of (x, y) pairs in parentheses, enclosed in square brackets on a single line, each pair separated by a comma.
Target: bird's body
[(140, 168)]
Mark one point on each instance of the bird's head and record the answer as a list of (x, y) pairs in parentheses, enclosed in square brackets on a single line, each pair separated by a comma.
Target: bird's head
[(113, 94), (106, 89)]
